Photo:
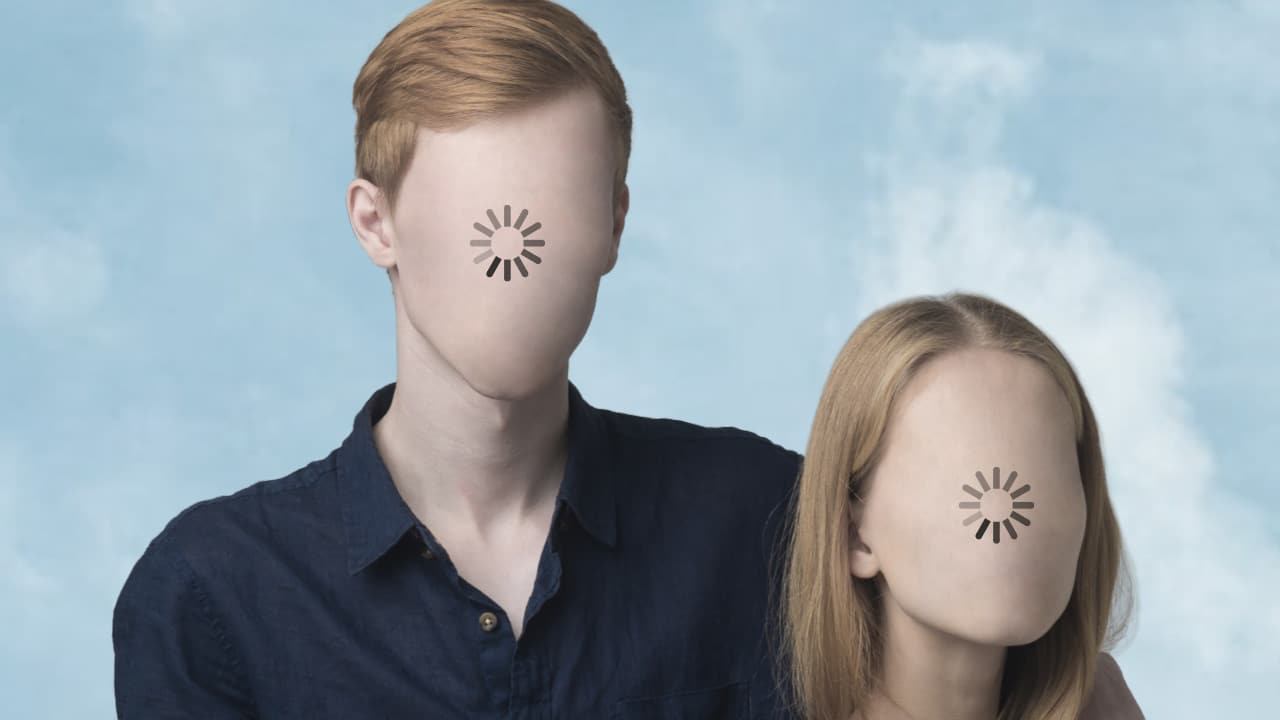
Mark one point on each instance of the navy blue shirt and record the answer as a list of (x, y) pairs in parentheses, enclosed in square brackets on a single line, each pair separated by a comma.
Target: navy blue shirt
[(321, 595)]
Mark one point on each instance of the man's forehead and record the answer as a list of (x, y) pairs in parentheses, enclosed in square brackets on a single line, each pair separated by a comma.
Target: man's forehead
[(537, 172), (566, 135)]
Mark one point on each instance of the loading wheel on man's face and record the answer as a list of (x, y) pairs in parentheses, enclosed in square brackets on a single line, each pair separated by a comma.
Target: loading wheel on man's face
[(507, 243)]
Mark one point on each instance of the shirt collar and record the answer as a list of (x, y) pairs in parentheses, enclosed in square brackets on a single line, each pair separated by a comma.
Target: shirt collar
[(588, 485), (376, 517)]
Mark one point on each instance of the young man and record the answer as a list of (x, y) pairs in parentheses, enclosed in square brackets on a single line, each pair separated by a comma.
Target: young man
[(484, 543)]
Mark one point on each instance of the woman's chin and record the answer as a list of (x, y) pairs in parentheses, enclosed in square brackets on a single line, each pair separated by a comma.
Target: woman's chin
[(1008, 629)]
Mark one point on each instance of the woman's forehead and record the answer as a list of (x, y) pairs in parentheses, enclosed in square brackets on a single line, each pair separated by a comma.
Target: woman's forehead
[(979, 407)]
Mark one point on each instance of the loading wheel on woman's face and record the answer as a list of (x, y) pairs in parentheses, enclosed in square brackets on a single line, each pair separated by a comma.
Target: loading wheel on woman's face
[(996, 505)]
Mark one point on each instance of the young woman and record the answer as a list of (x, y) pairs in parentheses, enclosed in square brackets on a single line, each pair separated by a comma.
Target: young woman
[(952, 551)]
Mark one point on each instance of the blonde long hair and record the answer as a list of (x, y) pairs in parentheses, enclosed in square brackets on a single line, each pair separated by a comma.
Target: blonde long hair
[(829, 621)]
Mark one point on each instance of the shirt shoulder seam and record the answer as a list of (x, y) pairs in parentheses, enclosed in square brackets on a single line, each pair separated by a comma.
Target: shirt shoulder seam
[(685, 430), (297, 480), (188, 573)]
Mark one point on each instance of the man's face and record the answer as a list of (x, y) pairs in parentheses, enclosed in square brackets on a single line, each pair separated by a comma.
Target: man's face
[(502, 233), (963, 426)]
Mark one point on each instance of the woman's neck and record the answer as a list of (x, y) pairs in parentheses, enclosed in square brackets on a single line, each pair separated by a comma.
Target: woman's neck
[(928, 674)]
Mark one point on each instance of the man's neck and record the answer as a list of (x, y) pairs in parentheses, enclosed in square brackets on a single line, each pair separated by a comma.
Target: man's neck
[(465, 460), (929, 675)]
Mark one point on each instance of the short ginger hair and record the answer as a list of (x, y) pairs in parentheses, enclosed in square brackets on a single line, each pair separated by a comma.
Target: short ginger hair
[(454, 62)]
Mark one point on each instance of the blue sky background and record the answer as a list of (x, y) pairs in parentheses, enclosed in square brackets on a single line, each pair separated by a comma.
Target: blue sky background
[(184, 309)]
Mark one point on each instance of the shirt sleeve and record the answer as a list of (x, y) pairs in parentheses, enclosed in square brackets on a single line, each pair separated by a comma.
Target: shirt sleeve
[(172, 657), (770, 686), (1111, 698)]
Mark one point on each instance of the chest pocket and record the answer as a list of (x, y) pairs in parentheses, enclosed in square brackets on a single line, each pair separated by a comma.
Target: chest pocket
[(727, 702)]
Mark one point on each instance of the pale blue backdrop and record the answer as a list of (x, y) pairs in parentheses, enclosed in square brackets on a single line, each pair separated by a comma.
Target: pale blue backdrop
[(184, 310)]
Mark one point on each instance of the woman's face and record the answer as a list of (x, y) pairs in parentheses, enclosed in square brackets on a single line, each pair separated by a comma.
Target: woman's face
[(962, 543)]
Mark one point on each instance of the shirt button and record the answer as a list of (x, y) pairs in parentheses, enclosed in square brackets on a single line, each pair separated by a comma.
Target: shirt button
[(427, 554), (488, 621)]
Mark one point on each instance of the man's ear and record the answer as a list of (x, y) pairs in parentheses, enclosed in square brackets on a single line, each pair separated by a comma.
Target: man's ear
[(863, 562), (619, 220), (371, 220)]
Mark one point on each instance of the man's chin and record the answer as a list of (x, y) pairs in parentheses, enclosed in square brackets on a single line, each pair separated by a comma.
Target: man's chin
[(508, 384)]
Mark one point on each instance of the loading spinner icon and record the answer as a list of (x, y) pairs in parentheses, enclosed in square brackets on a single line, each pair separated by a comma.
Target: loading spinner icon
[(507, 243), (996, 505)]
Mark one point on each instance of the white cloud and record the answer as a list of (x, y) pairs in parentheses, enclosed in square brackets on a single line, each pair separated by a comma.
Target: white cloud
[(768, 83), (51, 273), (19, 576), (955, 95), (965, 218), (158, 17), (171, 19), (960, 71)]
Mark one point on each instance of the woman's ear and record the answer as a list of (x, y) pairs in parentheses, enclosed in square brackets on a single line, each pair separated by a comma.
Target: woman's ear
[(862, 559)]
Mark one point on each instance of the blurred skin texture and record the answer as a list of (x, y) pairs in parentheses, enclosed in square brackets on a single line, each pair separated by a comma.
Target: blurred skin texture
[(553, 164), (475, 437), (952, 602)]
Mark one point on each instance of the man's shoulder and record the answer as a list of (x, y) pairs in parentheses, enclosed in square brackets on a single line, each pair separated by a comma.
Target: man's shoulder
[(216, 530), (695, 440), (722, 458)]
